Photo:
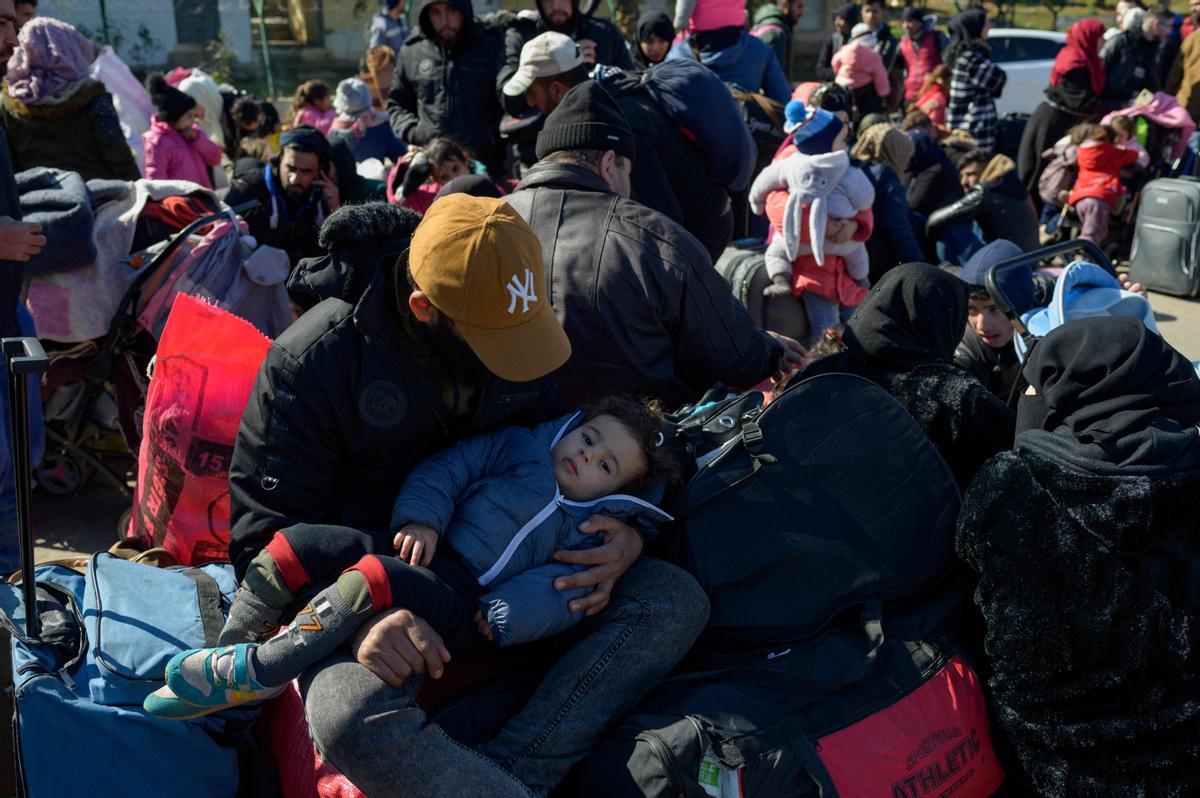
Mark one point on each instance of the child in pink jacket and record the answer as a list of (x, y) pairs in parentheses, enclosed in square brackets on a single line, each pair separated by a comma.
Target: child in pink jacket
[(312, 105), (176, 147), (860, 69)]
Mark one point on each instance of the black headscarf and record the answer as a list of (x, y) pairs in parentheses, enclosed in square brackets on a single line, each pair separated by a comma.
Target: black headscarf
[(1111, 393), (913, 316), (848, 12), (651, 24), (965, 28)]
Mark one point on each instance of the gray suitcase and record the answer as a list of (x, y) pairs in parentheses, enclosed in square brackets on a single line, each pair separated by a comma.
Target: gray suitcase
[(1166, 241), (746, 272)]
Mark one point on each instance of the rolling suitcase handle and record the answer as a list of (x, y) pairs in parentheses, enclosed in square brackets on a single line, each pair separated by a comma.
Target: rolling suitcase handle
[(25, 356)]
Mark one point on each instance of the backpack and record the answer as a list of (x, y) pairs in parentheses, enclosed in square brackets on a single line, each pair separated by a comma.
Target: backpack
[(1059, 174), (829, 665), (702, 109)]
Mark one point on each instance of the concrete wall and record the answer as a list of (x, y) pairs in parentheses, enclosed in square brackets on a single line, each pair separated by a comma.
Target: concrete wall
[(143, 30)]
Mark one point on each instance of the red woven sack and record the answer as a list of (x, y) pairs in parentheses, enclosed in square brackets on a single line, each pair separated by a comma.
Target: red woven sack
[(203, 372)]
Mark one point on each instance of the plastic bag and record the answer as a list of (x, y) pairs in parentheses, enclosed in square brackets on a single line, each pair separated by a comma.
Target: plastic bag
[(205, 368)]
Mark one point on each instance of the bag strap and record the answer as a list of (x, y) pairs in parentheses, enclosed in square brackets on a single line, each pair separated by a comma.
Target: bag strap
[(208, 598)]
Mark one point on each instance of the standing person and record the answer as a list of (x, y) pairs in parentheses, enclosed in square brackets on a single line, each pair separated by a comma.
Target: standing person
[(177, 148), (975, 82), (347, 401), (860, 69), (1130, 59), (1184, 80), (1077, 83), (921, 50), (445, 82), (874, 16), (1092, 516), (312, 105), (845, 17), (738, 59), (388, 26), (55, 114), (654, 36), (1119, 17), (18, 243), (364, 128), (1191, 21), (774, 24), (606, 252)]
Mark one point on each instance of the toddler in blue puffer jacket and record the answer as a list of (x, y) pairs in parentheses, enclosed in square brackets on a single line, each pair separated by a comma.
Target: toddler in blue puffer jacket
[(494, 509)]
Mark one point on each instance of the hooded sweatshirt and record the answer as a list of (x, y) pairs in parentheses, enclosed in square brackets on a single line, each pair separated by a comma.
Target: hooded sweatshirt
[(170, 156)]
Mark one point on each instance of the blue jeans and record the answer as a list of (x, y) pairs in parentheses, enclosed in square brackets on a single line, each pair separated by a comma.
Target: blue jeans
[(378, 736), (10, 557), (823, 313)]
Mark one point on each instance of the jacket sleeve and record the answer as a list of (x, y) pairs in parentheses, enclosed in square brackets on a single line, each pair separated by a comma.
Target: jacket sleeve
[(283, 467), (879, 73), (892, 221), (716, 340), (210, 153), (775, 83), (433, 488), (402, 104), (527, 607), (963, 210), (158, 166), (110, 141), (990, 79), (824, 69)]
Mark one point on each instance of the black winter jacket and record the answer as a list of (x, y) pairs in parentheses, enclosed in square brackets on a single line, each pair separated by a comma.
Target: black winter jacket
[(440, 91), (644, 308), (893, 241), (998, 369), (1000, 207), (1130, 65), (824, 66), (1087, 583), (278, 221), (338, 415)]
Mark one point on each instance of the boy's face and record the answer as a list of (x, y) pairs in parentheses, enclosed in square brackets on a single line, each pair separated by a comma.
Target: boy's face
[(595, 459), (989, 322), (447, 170), (969, 174)]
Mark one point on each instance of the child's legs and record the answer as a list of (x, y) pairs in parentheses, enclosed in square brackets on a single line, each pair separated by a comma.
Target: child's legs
[(1093, 218), (822, 313)]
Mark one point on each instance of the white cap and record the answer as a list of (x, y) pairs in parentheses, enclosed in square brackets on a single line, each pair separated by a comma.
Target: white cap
[(543, 56)]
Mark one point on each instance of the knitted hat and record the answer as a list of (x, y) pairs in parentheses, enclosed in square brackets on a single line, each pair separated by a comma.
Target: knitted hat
[(587, 119), (306, 139), (169, 102), (352, 97), (914, 14), (862, 31), (813, 133)]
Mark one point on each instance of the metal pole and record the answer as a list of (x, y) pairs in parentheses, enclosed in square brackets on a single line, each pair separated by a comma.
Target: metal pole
[(104, 23), (266, 51)]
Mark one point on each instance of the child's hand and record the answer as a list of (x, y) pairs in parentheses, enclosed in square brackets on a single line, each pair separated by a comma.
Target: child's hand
[(780, 286), (416, 543), (484, 627)]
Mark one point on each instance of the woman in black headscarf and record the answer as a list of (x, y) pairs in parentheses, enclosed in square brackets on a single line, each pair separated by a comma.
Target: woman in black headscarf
[(902, 337), (975, 81), (1087, 545), (654, 36)]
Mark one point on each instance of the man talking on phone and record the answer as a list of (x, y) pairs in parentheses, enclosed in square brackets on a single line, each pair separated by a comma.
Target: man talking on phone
[(296, 191)]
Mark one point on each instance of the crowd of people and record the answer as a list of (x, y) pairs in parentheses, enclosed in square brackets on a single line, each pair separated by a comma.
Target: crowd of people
[(499, 232)]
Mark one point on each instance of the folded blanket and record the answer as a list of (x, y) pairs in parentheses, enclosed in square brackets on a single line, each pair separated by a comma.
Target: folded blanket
[(59, 202)]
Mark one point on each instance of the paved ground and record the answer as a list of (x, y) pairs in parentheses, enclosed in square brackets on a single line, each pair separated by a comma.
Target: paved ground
[(85, 523)]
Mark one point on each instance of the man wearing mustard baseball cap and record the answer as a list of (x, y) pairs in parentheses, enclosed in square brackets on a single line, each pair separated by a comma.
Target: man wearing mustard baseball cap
[(454, 338)]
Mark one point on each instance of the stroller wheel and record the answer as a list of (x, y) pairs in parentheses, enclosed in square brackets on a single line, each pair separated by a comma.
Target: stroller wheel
[(123, 524), (62, 474)]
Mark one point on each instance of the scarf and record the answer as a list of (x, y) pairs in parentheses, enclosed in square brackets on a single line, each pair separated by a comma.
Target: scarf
[(51, 54), (914, 316), (1082, 51), (966, 30), (1110, 393), (887, 145)]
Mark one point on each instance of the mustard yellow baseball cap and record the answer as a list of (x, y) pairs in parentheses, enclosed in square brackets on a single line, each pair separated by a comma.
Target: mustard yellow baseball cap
[(480, 264)]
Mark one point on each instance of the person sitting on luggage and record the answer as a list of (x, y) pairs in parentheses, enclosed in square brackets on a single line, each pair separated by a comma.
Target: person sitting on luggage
[(859, 68), (1098, 186), (502, 503), (822, 188)]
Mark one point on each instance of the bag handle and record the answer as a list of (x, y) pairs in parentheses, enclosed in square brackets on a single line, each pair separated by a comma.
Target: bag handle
[(208, 598)]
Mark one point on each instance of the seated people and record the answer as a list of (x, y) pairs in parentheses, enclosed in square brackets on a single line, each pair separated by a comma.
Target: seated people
[(995, 201), (1098, 184), (502, 503), (986, 350), (363, 127), (1084, 540)]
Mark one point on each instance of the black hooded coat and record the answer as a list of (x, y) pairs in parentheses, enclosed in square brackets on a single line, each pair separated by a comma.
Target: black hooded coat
[(449, 91), (1085, 542), (902, 337)]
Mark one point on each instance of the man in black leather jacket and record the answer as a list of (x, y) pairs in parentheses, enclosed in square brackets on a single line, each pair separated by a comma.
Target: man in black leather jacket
[(995, 200)]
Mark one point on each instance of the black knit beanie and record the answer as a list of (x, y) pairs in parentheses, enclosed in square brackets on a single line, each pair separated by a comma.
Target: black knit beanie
[(588, 118), (169, 102)]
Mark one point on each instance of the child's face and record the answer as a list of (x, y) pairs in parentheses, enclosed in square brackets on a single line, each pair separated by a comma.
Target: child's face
[(595, 459), (1122, 135), (325, 103), (185, 122), (447, 170), (989, 322)]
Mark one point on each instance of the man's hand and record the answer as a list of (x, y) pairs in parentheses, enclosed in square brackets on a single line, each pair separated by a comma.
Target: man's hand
[(587, 48), (329, 189), (1131, 286), (397, 644), (484, 627), (622, 545), (416, 543), (793, 355), (20, 241)]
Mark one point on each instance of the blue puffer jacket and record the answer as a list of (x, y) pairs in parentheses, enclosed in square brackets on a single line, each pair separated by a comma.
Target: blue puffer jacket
[(496, 502), (748, 64)]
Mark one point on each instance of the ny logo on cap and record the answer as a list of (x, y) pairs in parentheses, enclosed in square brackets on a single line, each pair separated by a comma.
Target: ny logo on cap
[(522, 291)]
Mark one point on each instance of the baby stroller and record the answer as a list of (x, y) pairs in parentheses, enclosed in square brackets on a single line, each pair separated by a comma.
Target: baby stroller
[(93, 431)]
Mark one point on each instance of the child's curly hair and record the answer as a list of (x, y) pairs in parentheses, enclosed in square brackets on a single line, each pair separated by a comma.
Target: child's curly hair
[(645, 420)]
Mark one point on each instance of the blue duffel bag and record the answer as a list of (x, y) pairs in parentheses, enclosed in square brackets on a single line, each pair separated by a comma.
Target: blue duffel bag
[(106, 635)]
